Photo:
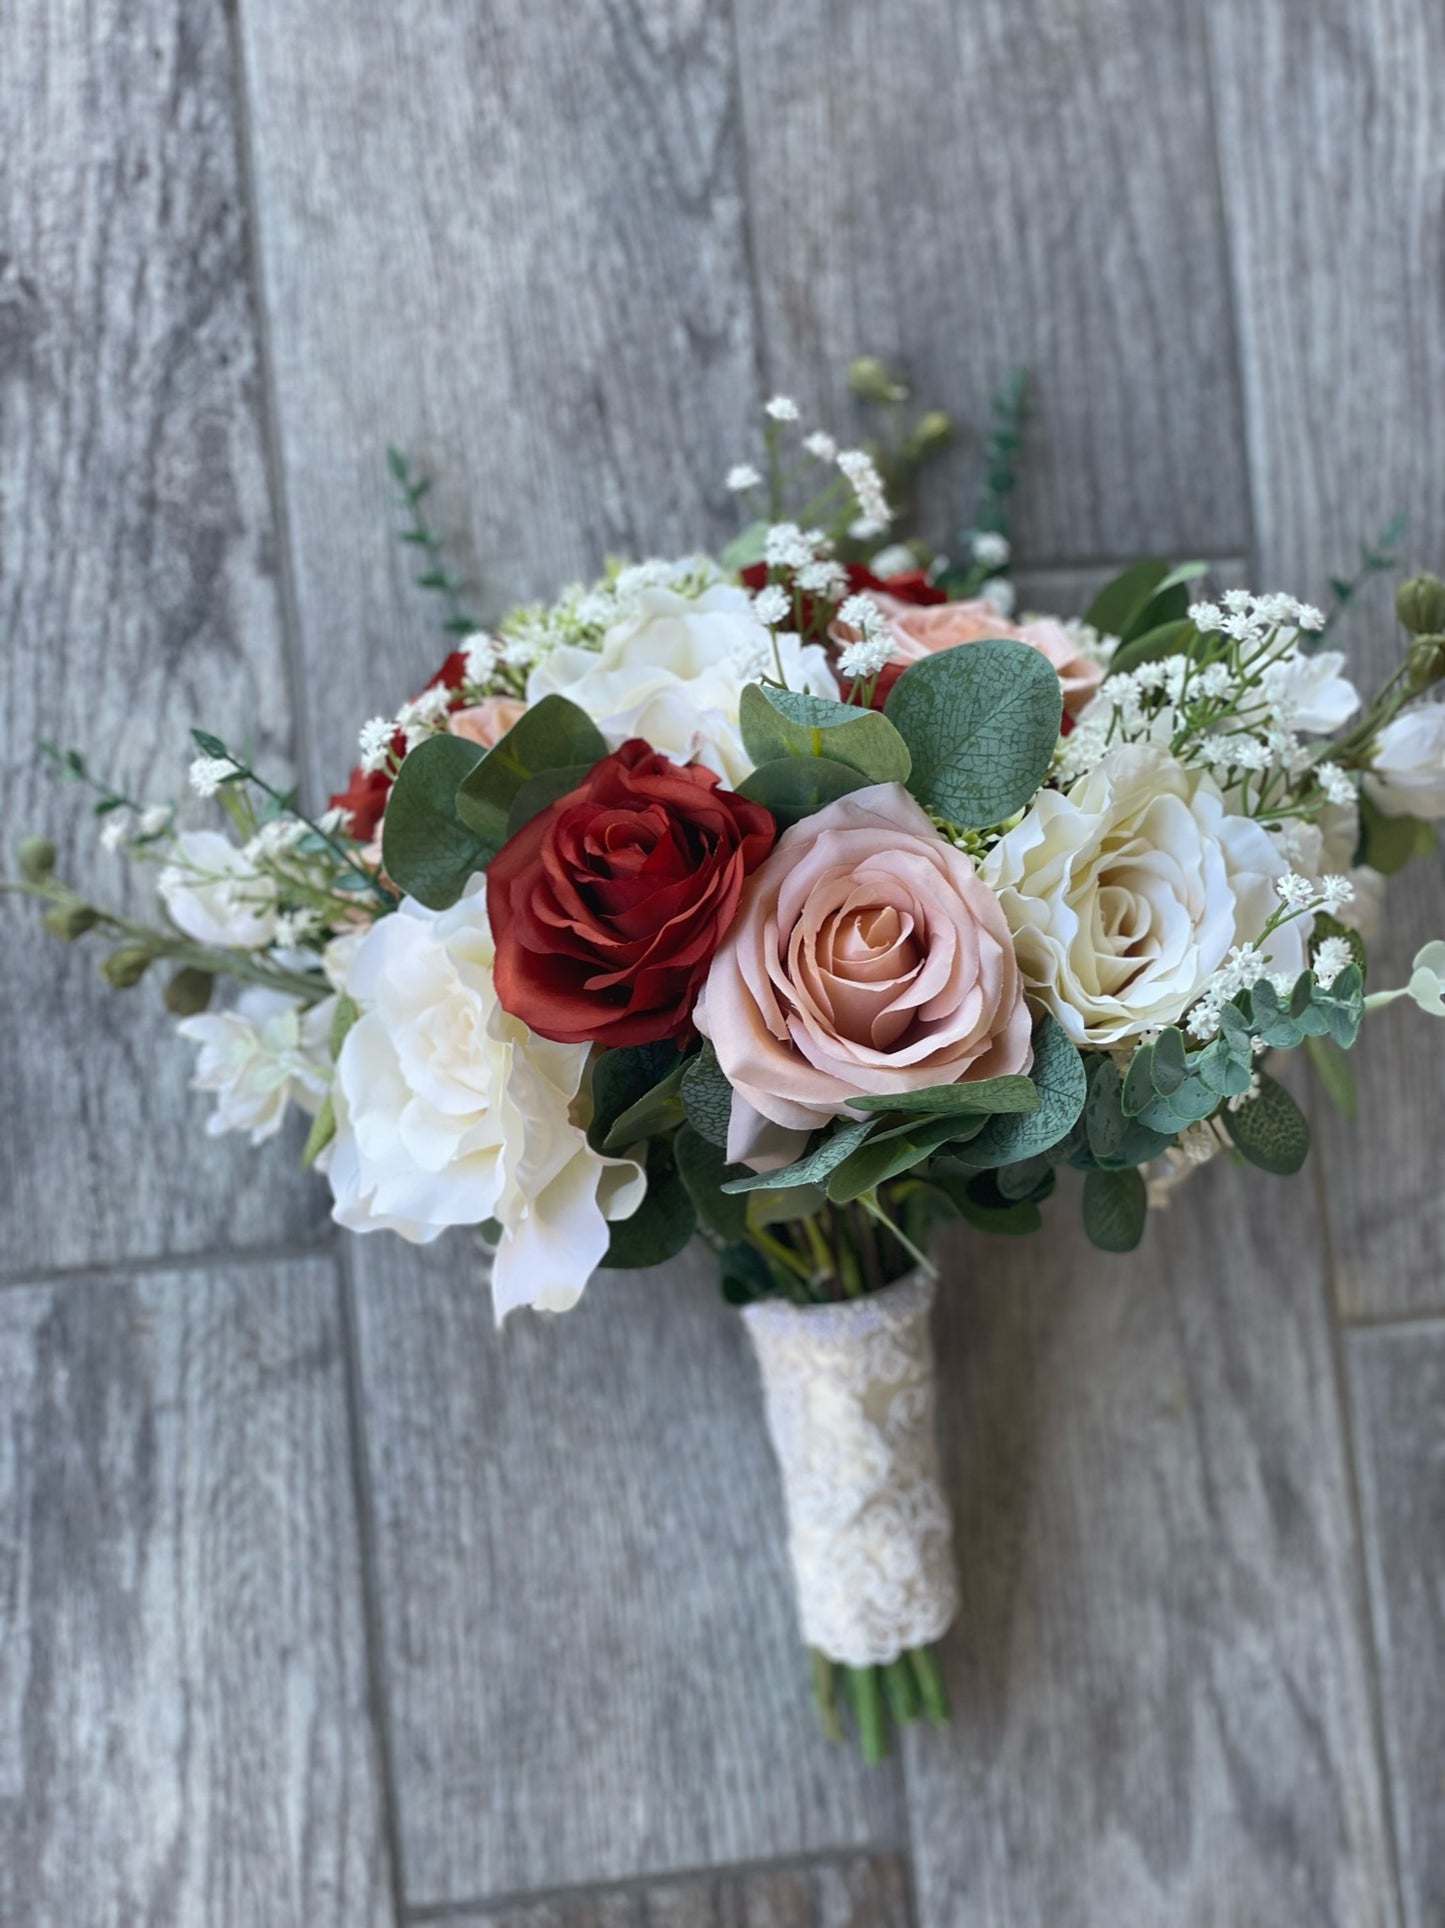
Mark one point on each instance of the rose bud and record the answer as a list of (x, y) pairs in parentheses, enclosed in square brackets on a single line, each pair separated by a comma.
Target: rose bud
[(606, 908)]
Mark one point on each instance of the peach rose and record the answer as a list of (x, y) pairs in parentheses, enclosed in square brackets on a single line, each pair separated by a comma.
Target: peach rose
[(923, 632), (488, 721), (866, 956)]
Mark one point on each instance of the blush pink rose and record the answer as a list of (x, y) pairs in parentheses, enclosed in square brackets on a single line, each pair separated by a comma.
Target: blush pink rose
[(866, 957), (486, 722), (923, 632)]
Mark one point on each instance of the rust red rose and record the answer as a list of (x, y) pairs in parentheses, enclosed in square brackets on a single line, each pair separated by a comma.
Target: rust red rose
[(606, 908)]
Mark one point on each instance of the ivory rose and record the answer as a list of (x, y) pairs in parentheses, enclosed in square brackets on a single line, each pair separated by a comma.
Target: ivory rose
[(450, 1112), (487, 722), (866, 957), (673, 670), (1407, 771), (920, 632), (1125, 893)]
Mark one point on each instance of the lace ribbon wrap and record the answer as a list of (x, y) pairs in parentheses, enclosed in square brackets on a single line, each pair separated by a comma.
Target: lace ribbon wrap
[(850, 1396)]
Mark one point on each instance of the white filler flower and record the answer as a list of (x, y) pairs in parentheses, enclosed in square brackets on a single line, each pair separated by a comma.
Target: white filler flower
[(673, 670), (450, 1112), (215, 894), (1125, 893), (259, 1057)]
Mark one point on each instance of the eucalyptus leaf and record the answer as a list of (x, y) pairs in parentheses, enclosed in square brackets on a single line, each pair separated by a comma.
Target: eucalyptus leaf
[(1168, 1067), (981, 725), (552, 735), (707, 1097), (704, 1169), (1116, 1206), (813, 1166), (425, 847), (662, 1224), (887, 1154), (777, 723), (539, 792), (623, 1079), (1058, 1074), (1015, 1093), (794, 787), (1271, 1130)]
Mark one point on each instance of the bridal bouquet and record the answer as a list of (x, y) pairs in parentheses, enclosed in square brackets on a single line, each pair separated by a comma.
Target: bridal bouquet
[(802, 899)]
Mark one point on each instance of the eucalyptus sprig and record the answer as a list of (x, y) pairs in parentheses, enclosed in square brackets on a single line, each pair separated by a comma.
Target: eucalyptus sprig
[(437, 576)]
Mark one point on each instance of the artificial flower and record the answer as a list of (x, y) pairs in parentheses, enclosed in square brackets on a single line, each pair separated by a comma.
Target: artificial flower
[(609, 904), (1407, 771), (866, 957), (924, 631), (267, 1052), (487, 722), (215, 894)]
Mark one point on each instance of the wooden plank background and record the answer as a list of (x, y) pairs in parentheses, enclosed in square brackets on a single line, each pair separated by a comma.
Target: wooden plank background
[(319, 1602)]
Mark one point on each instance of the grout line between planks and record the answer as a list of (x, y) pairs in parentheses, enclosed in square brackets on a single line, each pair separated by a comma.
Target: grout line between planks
[(148, 1265)]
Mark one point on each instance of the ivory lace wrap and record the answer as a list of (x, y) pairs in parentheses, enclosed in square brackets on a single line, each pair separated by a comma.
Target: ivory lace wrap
[(850, 1401)]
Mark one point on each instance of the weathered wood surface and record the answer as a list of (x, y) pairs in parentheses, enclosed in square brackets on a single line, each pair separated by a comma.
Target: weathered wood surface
[(973, 189), (1158, 1674), (1332, 170), (137, 592), (538, 283), (856, 1893), (1397, 1379), (586, 1617), (185, 1736)]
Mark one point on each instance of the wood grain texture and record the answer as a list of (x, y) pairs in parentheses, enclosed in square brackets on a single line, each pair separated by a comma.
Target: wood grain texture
[(1160, 1710), (861, 1892), (1334, 201), (184, 1728), (538, 286), (137, 591), (1397, 1382), (966, 190), (588, 1631)]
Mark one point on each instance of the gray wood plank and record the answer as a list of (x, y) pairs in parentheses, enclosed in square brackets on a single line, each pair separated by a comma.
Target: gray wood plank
[(1068, 591), (184, 1725), (1160, 1709), (964, 190), (861, 1892), (537, 284), (590, 1646), (1397, 1383), (1332, 195), (137, 590)]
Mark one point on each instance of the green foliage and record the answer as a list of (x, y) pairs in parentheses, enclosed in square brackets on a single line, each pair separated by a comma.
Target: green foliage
[(745, 1274), (704, 1169), (707, 1097), (1058, 1076), (777, 723), (426, 848), (1143, 597), (1387, 844), (323, 1130), (1335, 1074), (1167, 639), (418, 534), (981, 725), (982, 1202), (662, 1224), (1116, 1139), (1375, 558), (887, 1154), (815, 1164), (633, 1086), (1016, 1093), (343, 1016), (1116, 1204), (1271, 1130), (552, 736), (794, 787), (1327, 926), (189, 991)]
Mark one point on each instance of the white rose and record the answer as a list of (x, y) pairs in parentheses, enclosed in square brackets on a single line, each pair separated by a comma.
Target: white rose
[(259, 1057), (1309, 693), (449, 1112), (215, 894), (1407, 772), (673, 671), (1125, 893)]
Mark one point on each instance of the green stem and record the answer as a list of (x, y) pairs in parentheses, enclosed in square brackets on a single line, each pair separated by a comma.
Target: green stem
[(904, 1701), (931, 1690), (825, 1693), (867, 1703), (870, 1204)]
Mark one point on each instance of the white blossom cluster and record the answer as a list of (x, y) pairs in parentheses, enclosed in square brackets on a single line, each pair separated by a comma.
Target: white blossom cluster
[(873, 641)]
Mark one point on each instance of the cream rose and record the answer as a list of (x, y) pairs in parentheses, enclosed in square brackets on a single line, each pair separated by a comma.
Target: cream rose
[(215, 894), (866, 957), (923, 631), (450, 1112), (1125, 893), (674, 670), (1407, 771)]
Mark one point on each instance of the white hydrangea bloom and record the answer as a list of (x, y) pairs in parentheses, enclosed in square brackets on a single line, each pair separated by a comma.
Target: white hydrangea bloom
[(260, 1057), (450, 1112)]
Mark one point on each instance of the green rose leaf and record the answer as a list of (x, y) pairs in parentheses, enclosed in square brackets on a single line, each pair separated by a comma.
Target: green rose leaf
[(789, 723), (662, 1224), (981, 724), (793, 787), (707, 1097), (1058, 1076), (704, 1170), (1271, 1130), (1142, 597), (970, 1095), (815, 1164), (552, 735), (1116, 1205), (426, 848), (628, 1080)]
